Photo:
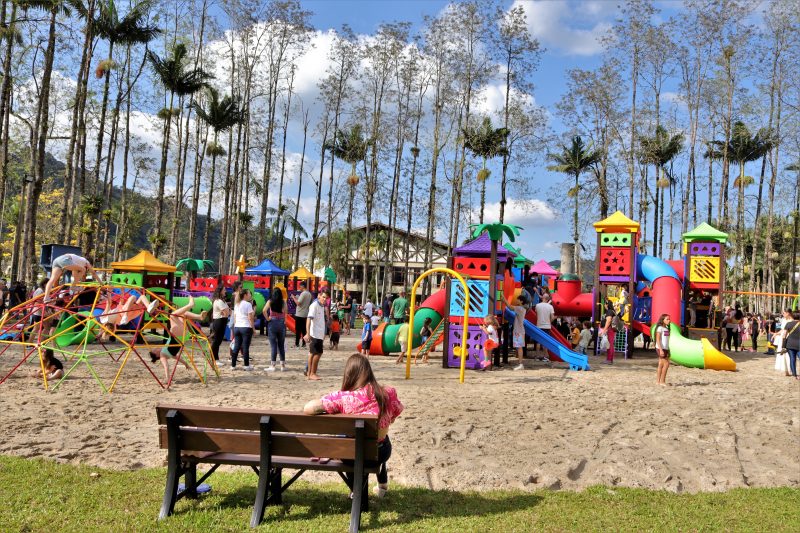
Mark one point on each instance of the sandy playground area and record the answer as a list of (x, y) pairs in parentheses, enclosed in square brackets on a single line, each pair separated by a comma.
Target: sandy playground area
[(544, 427)]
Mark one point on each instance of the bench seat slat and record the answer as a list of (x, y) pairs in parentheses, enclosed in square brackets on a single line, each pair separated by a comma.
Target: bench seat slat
[(248, 419), (245, 442), (278, 461)]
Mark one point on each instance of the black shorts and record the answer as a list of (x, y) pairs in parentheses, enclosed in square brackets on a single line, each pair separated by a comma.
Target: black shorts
[(315, 346), (334, 338)]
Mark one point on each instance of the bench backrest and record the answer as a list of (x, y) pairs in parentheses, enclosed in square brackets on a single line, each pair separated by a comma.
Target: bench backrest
[(293, 434)]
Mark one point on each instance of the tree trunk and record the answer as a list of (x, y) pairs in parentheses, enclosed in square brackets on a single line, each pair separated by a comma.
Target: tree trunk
[(35, 188), (162, 179), (299, 191), (632, 158), (315, 234)]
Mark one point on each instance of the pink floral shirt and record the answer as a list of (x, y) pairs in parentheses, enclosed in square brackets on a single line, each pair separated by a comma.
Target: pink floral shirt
[(362, 402)]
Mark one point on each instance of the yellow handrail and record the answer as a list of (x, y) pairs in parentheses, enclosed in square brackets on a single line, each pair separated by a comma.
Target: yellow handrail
[(412, 310)]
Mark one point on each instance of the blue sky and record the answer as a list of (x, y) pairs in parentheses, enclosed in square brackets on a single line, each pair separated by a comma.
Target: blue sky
[(568, 31)]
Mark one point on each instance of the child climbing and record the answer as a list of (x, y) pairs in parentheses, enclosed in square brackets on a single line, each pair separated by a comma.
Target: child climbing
[(177, 333), (123, 313), (489, 327)]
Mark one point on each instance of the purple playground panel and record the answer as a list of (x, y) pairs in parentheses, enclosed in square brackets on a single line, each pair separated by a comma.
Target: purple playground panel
[(705, 248), (474, 346)]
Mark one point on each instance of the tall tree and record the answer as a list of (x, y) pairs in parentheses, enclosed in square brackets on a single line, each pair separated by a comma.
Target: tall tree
[(178, 80), (575, 159), (221, 115), (519, 52), (659, 150), (487, 142)]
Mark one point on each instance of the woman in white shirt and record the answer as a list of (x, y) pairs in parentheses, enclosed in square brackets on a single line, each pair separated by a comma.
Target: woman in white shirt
[(219, 319), (243, 323)]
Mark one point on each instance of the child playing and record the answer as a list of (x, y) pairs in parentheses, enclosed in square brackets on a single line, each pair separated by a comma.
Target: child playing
[(53, 368), (366, 335), (662, 347), (402, 340), (518, 333), (425, 334), (375, 320), (335, 329), (489, 327), (575, 334), (585, 337)]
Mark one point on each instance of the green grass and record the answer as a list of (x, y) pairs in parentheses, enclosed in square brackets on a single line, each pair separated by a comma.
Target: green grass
[(39, 495)]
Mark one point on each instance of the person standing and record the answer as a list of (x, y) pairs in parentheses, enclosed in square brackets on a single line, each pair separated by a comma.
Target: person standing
[(219, 319), (791, 339), (302, 303), (609, 332), (316, 334), (755, 331), (386, 307), (369, 308), (3, 296), (518, 331), (400, 308), (544, 319), (275, 315), (346, 308), (243, 326), (662, 348)]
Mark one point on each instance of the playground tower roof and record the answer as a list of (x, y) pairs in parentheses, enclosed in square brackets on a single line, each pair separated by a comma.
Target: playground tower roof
[(144, 261), (705, 232), (617, 223)]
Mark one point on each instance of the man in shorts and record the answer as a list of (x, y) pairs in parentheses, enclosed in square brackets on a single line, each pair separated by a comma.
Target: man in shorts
[(316, 334)]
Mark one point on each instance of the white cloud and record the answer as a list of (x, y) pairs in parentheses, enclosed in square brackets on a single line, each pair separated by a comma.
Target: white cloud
[(573, 28)]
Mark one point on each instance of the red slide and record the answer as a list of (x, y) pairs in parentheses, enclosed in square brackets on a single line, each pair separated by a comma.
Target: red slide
[(289, 322)]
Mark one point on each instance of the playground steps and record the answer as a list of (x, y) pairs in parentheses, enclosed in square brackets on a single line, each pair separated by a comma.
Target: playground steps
[(432, 341)]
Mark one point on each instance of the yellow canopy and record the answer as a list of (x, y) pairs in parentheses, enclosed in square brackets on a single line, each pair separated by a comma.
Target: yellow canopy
[(617, 223), (144, 261), (302, 273)]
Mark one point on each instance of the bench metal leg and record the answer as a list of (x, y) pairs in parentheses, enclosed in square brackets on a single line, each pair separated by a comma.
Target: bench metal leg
[(174, 469), (264, 471), (276, 491), (190, 478), (358, 479)]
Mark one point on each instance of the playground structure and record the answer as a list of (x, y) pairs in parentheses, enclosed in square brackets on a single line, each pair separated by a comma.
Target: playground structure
[(75, 330), (661, 287)]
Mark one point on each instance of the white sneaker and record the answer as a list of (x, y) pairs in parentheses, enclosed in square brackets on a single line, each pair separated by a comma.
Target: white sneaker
[(380, 491), (519, 367), (248, 368), (151, 307), (545, 360), (283, 367), (270, 368)]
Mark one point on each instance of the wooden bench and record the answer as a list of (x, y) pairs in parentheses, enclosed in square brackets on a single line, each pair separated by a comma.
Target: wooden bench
[(268, 442)]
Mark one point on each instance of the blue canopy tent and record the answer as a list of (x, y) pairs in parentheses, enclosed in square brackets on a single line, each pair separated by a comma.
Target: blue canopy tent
[(266, 268)]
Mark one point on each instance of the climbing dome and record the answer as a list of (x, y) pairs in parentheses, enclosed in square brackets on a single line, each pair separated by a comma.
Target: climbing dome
[(74, 325)]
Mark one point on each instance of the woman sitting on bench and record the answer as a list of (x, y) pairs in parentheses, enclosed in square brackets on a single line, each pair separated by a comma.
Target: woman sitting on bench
[(177, 336), (361, 394)]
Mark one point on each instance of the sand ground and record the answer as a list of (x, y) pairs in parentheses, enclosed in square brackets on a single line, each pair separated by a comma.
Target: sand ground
[(544, 427)]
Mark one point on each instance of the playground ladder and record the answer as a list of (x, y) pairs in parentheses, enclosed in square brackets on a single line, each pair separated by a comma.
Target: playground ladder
[(431, 342)]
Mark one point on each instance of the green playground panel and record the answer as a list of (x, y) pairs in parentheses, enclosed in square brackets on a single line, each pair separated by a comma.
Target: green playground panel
[(615, 239), (127, 278)]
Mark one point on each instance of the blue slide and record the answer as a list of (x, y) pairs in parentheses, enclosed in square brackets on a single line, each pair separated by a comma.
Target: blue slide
[(576, 360)]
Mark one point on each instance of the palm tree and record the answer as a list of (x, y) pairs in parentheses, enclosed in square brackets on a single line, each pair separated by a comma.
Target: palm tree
[(349, 146), (495, 232), (220, 115), (574, 160), (660, 150), (485, 142), (742, 148), (129, 30), (281, 218), (176, 79)]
